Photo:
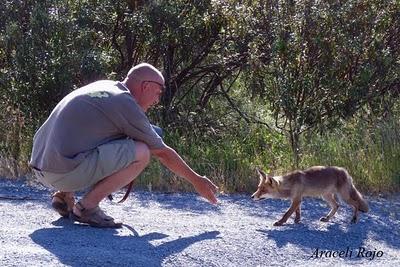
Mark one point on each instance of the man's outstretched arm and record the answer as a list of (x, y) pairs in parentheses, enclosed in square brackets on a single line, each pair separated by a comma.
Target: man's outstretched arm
[(171, 159)]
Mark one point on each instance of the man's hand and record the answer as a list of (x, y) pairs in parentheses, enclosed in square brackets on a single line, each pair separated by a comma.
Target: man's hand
[(206, 188), (170, 159)]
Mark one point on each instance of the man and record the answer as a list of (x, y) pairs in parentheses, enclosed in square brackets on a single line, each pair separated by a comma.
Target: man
[(99, 137)]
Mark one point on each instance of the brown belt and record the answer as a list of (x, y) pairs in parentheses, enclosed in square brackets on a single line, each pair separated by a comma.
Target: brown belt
[(33, 167), (128, 190)]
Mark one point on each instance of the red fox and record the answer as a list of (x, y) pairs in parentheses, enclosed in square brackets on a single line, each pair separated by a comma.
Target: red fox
[(315, 181)]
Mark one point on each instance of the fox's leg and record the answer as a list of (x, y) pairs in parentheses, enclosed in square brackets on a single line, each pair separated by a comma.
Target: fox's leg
[(298, 214), (295, 204), (330, 198), (354, 204)]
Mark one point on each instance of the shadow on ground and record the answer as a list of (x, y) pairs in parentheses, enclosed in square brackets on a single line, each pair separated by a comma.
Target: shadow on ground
[(73, 244), (339, 234)]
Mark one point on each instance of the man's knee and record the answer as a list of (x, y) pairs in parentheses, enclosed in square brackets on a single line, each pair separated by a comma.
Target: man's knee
[(142, 153)]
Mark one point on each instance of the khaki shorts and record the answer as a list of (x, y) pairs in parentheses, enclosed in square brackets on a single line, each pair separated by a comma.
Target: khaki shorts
[(100, 163)]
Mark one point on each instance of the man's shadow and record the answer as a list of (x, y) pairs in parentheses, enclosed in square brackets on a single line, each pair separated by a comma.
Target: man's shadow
[(75, 244)]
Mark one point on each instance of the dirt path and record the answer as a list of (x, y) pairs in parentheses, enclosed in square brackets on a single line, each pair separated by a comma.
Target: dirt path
[(183, 230)]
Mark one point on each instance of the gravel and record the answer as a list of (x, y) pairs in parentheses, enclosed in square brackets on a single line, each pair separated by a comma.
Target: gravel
[(184, 230)]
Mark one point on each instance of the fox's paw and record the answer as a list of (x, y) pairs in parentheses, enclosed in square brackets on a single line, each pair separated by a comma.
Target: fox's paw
[(297, 220), (278, 223), (354, 220), (324, 219)]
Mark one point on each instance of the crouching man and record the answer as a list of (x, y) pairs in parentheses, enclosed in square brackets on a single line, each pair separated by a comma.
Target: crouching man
[(98, 137)]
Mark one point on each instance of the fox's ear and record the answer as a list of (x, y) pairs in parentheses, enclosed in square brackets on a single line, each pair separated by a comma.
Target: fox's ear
[(273, 182), (262, 175), (260, 172)]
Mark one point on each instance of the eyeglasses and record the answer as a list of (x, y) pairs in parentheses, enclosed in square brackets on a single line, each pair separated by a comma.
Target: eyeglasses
[(162, 86)]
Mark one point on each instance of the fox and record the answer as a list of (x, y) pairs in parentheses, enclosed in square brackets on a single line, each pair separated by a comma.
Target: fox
[(325, 181)]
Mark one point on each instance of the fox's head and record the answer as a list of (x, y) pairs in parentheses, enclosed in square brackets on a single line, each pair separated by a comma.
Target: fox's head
[(267, 187)]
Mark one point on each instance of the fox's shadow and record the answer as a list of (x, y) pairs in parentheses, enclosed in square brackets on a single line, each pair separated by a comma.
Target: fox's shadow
[(306, 236), (75, 245), (339, 234)]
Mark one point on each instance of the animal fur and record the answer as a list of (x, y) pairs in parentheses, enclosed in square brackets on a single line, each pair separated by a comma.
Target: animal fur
[(315, 181)]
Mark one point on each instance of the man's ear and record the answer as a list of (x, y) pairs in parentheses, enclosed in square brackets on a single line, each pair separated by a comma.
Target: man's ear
[(144, 86)]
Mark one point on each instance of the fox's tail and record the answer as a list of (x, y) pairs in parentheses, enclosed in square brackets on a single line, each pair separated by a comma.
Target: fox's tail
[(356, 196)]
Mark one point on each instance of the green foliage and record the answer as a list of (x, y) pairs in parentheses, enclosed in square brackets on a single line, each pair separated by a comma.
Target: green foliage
[(249, 83), (325, 60), (229, 159), (369, 151)]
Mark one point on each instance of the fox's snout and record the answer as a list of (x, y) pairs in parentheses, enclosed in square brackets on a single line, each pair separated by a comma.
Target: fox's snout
[(254, 196)]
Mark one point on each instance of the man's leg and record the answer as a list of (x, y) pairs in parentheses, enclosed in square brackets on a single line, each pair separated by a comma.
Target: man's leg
[(63, 202), (117, 180)]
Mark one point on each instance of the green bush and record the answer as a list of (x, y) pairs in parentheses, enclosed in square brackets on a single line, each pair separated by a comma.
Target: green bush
[(229, 160), (370, 152)]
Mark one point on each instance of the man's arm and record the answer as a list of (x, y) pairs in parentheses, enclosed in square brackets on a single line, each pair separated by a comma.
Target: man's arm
[(171, 159)]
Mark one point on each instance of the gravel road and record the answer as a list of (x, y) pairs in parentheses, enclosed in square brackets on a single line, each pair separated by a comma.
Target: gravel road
[(184, 230)]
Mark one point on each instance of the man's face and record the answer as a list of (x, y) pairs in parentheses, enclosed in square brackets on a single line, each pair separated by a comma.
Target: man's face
[(151, 93)]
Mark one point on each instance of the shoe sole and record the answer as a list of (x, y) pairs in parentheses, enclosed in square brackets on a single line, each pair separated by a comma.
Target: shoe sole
[(78, 219)]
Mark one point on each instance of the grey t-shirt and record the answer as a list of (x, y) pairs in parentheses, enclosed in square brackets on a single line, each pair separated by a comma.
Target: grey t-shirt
[(86, 118)]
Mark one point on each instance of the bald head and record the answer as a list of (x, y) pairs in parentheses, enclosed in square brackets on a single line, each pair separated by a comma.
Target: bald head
[(146, 84), (144, 72)]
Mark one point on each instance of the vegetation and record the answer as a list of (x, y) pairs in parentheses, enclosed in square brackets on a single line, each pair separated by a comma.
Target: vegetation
[(277, 84)]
